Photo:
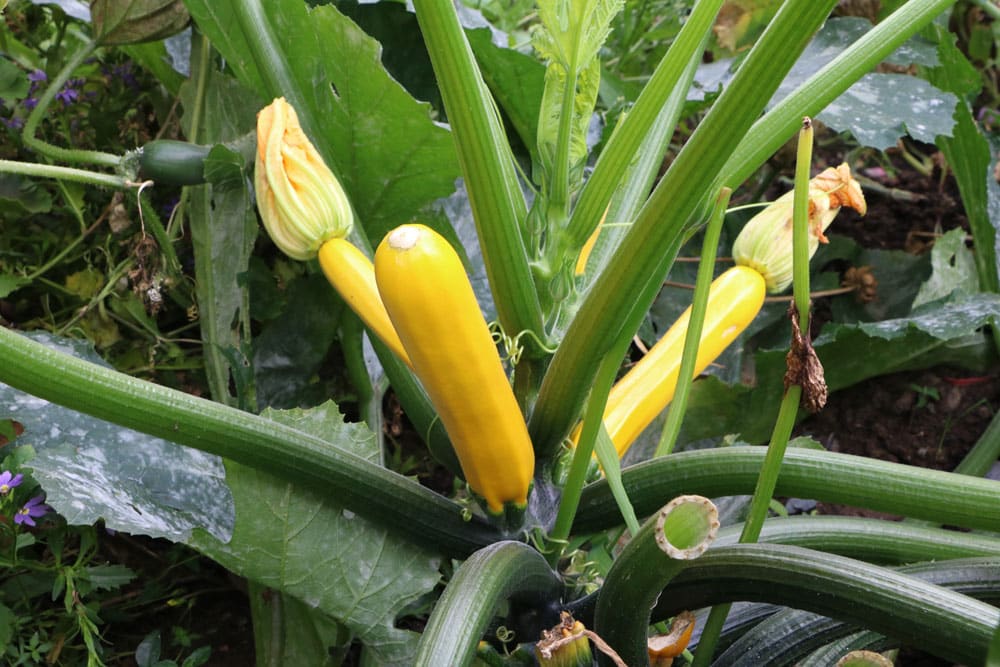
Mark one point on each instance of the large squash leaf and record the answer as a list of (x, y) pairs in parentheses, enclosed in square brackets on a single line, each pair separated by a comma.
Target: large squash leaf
[(390, 156), (328, 557)]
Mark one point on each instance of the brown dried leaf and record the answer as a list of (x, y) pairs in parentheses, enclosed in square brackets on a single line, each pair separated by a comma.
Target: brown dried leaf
[(804, 368)]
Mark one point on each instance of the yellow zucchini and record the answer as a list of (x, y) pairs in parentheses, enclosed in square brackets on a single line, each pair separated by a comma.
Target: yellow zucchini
[(353, 276), (434, 310), (734, 299)]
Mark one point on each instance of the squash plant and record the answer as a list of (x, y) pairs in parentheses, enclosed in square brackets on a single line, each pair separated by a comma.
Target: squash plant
[(505, 424)]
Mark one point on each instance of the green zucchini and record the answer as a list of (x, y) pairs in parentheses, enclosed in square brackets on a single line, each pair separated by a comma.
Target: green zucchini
[(173, 162)]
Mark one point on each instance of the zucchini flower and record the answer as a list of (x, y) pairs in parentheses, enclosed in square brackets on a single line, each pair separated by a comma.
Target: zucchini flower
[(765, 244), (565, 645), (300, 200)]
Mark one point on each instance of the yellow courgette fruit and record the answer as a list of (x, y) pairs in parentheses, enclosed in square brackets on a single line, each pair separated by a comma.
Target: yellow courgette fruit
[(734, 299), (353, 276), (434, 310)]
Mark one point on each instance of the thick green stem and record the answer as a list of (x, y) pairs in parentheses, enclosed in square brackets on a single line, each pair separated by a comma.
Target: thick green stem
[(918, 613), (894, 488), (490, 576), (985, 452), (692, 337), (397, 502), (870, 540), (577, 477), (678, 533), (495, 196), (790, 635), (63, 174)]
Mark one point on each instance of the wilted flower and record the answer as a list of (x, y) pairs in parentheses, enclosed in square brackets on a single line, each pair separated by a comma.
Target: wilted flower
[(300, 200), (765, 243), (8, 481), (663, 649), (32, 509), (565, 645)]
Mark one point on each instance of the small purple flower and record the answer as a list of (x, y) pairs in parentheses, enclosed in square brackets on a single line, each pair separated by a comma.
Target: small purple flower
[(9, 481), (125, 72), (30, 103), (70, 92), (37, 76), (32, 509)]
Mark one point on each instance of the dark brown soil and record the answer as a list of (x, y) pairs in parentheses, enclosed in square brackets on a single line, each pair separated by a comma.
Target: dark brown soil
[(926, 418)]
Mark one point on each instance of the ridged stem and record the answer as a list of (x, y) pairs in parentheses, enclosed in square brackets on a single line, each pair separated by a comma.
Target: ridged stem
[(498, 206), (62, 173), (678, 533), (871, 540), (692, 338), (496, 573), (639, 264), (789, 635), (589, 432), (933, 495), (410, 510), (917, 613), (800, 225)]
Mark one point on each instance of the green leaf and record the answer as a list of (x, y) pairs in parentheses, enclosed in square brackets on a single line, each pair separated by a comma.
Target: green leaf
[(938, 333), (569, 37), (287, 631), (954, 269), (147, 653), (7, 624), (970, 156), (299, 543), (108, 577), (92, 469), (10, 283), (288, 353), (389, 155), (20, 195), (880, 108), (14, 83), (136, 21)]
